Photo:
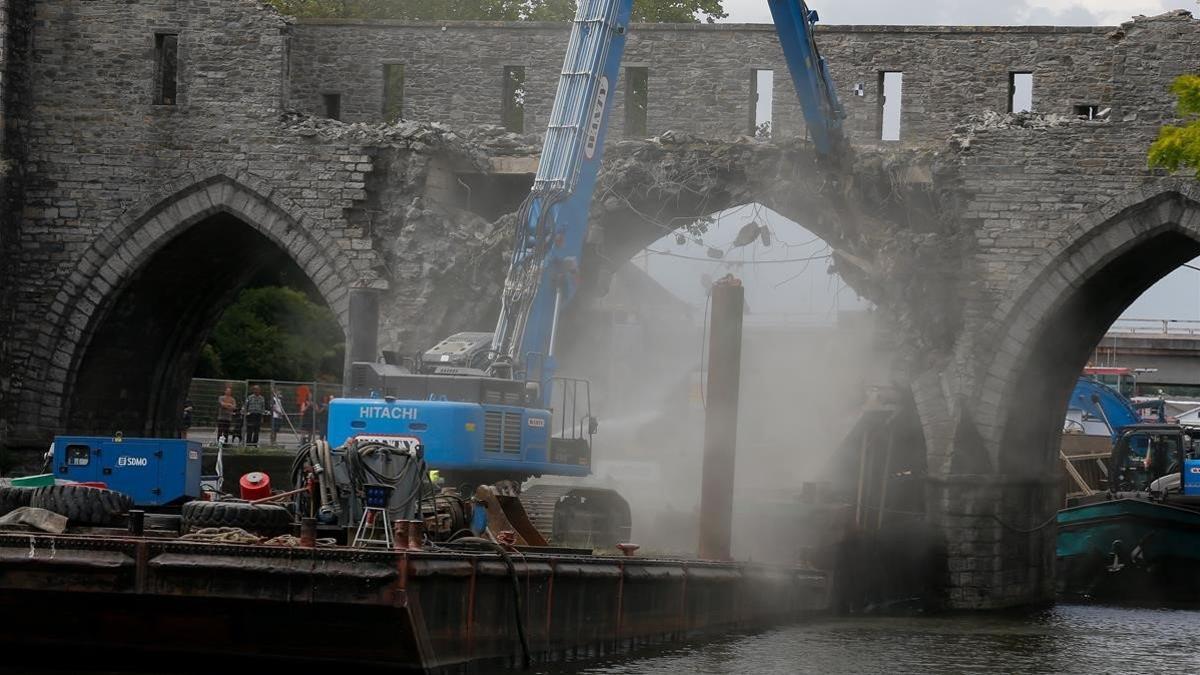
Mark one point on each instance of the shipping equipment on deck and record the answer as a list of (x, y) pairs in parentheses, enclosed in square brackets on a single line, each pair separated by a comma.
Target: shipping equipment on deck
[(1139, 540), (151, 471), (1096, 413)]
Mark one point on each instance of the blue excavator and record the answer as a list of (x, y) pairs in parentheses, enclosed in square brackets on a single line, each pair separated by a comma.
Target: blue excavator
[(483, 408), (1139, 447), (1139, 539)]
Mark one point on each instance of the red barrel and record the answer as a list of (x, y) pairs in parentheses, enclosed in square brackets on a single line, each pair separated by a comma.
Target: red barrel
[(255, 485)]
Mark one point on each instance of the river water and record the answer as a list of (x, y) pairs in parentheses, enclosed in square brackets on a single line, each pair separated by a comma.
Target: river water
[(1065, 639)]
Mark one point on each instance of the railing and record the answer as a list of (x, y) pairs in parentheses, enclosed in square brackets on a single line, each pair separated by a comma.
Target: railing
[(301, 408), (1155, 327)]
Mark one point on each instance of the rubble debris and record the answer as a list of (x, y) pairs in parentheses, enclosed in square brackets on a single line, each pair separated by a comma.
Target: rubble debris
[(883, 209), (479, 142), (1029, 120), (991, 120)]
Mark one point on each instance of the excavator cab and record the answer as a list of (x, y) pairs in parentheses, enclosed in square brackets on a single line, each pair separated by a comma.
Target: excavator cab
[(1145, 456)]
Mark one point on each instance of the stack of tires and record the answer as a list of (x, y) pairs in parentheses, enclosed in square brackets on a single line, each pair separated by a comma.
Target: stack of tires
[(12, 497), (84, 505), (81, 504), (261, 519)]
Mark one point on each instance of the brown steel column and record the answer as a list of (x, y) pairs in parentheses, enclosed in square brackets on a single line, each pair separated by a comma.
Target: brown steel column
[(720, 419)]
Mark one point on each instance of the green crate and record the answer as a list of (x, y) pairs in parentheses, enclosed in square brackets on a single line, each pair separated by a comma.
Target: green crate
[(41, 480)]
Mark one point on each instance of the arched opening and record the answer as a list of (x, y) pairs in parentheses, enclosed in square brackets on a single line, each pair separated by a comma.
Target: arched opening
[(1065, 339), (1047, 336), (134, 371), (811, 357)]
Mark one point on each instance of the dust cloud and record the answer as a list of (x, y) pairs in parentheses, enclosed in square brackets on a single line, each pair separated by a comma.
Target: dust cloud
[(802, 390)]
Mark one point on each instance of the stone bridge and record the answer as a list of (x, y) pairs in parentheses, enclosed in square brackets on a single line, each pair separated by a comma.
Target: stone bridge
[(151, 166)]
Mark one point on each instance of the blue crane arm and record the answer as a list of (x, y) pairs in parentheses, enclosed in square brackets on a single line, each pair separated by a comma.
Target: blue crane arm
[(823, 112), (551, 227), (1100, 401)]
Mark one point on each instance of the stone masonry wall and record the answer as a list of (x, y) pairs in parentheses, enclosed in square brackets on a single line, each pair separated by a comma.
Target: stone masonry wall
[(14, 49), (700, 75), (1062, 216), (1029, 187), (101, 155)]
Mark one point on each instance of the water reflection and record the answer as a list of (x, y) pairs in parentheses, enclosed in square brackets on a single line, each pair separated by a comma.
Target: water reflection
[(1065, 639)]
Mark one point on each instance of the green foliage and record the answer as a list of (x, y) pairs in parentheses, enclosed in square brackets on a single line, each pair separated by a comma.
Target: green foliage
[(274, 333), (1179, 146), (496, 10), (677, 11)]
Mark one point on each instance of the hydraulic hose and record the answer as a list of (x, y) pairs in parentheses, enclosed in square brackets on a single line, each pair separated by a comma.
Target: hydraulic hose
[(516, 589), (327, 476)]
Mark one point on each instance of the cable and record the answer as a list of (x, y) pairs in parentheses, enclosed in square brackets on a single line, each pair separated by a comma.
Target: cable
[(516, 588), (738, 262), (797, 275)]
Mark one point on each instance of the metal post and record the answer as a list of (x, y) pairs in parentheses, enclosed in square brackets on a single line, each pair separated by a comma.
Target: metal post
[(245, 395), (885, 475), (862, 475), (137, 522), (720, 419)]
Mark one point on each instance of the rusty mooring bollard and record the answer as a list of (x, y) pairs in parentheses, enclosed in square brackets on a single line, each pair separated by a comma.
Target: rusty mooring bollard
[(416, 531), (308, 532), (400, 535)]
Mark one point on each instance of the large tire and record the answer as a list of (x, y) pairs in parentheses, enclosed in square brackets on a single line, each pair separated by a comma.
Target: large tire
[(83, 505), (13, 497), (257, 518)]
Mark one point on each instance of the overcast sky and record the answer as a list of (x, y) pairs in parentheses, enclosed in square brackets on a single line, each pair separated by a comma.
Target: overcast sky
[(984, 12)]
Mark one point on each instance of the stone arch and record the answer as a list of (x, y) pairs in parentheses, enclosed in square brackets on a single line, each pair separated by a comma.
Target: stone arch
[(121, 251), (1094, 271)]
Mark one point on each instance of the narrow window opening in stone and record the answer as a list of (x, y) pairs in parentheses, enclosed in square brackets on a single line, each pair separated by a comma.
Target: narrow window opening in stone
[(333, 106), (393, 91), (1020, 92), (1087, 111), (513, 112), (166, 71), (891, 84), (762, 101), (638, 80)]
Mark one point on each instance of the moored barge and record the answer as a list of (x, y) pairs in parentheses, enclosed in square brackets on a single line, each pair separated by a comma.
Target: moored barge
[(120, 599)]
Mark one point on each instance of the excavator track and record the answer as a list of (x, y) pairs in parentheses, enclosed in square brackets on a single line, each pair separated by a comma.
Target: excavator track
[(539, 502), (571, 515)]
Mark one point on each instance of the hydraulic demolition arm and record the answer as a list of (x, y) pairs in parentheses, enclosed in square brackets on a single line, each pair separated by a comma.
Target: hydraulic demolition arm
[(552, 226), (823, 112)]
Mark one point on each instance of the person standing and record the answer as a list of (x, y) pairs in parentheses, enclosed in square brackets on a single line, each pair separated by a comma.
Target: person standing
[(255, 407), (185, 421), (226, 404), (322, 422), (308, 420)]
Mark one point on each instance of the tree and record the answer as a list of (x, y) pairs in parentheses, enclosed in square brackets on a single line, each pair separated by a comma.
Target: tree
[(1179, 146), (493, 10), (274, 333), (667, 11)]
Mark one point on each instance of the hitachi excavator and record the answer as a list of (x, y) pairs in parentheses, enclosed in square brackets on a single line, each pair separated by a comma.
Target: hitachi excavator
[(488, 407)]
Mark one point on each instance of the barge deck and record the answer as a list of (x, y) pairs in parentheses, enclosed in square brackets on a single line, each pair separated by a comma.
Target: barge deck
[(113, 596)]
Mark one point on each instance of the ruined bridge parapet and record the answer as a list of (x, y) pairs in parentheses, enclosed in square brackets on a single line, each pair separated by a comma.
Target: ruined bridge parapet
[(699, 77)]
